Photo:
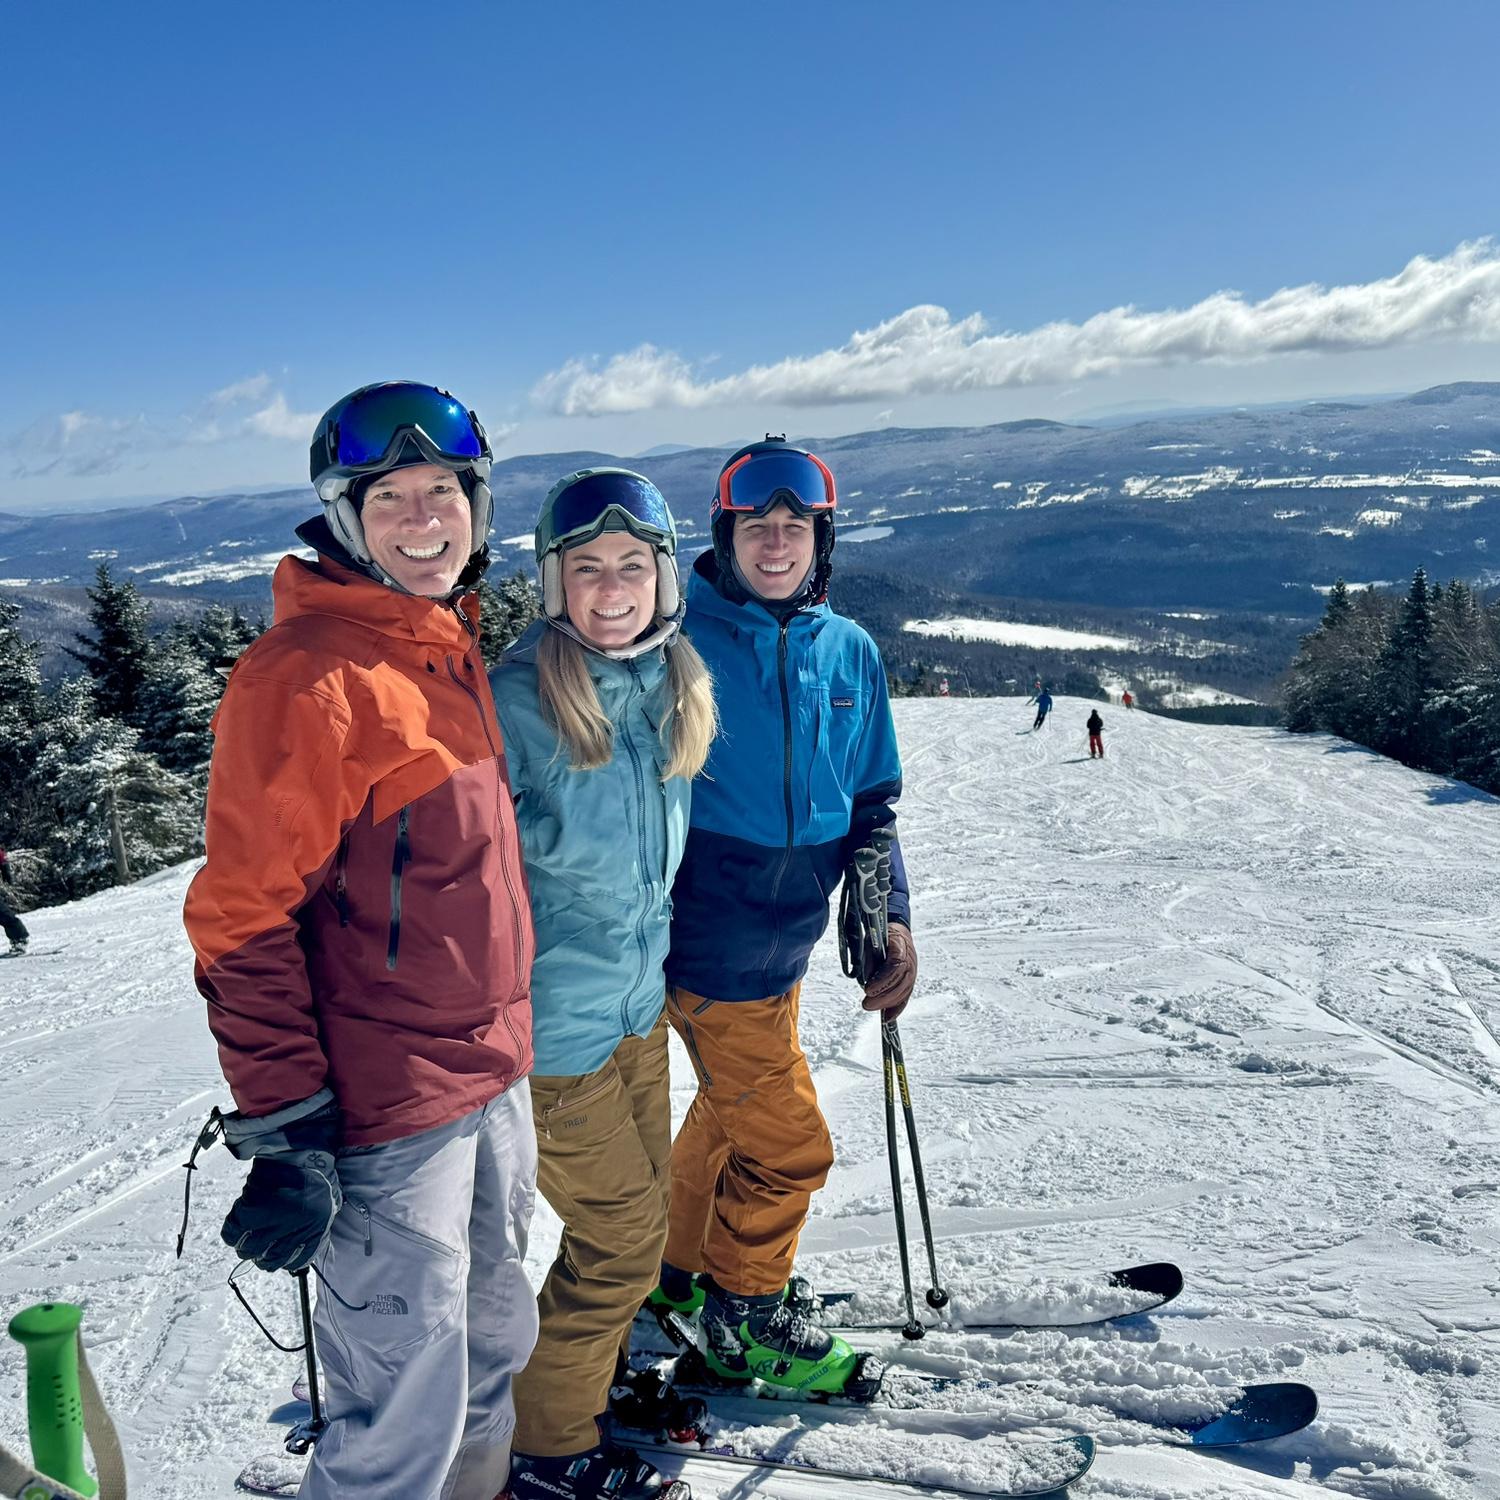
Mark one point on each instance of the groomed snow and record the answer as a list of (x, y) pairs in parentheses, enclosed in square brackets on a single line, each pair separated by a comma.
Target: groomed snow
[(1227, 997)]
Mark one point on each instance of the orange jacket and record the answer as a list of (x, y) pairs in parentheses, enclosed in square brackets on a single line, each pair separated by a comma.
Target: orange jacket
[(361, 920)]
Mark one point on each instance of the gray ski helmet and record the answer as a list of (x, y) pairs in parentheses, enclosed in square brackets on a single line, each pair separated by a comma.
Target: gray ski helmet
[(589, 501), (392, 425), (721, 521)]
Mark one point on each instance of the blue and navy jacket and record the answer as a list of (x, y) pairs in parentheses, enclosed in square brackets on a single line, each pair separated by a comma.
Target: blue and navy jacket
[(601, 848), (804, 766)]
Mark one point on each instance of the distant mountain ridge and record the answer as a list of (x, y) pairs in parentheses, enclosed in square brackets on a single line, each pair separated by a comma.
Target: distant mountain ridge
[(1241, 510)]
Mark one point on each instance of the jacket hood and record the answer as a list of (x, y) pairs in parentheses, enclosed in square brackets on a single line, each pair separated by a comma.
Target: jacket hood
[(326, 587)]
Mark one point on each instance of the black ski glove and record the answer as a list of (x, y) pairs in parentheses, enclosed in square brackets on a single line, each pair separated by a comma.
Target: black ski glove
[(292, 1196)]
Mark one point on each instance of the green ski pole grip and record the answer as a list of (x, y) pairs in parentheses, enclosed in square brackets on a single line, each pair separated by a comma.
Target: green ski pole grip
[(54, 1408)]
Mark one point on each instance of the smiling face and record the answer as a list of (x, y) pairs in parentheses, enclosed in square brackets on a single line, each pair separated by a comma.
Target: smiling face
[(774, 551), (609, 586), (417, 527)]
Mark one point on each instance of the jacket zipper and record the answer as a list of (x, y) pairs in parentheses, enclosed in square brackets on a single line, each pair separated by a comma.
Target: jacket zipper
[(340, 880), (489, 739), (640, 833), (786, 791), (398, 870)]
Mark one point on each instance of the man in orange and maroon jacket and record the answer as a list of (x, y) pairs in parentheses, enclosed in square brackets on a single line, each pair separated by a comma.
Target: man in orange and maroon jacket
[(364, 942)]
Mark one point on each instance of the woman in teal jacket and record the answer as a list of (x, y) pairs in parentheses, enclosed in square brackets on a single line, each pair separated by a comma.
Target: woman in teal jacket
[(608, 714)]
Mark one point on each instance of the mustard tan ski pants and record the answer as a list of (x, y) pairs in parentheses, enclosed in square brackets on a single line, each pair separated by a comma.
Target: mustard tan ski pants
[(754, 1147), (603, 1147)]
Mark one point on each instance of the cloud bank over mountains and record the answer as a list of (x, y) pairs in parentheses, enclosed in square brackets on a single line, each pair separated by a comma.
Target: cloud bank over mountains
[(924, 351)]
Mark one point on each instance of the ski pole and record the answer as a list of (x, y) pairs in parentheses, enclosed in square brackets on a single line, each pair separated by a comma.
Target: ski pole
[(54, 1405), (305, 1434), (915, 1328), (936, 1296)]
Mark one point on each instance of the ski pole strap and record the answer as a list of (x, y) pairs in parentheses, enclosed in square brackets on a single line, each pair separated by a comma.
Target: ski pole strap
[(18, 1481), (862, 917), (211, 1132)]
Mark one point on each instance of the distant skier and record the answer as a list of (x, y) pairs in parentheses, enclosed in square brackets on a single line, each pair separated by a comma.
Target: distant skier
[(1096, 736), (1127, 700), (1043, 701), (13, 926)]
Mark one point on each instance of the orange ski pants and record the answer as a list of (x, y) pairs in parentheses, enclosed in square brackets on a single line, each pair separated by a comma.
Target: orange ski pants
[(754, 1147)]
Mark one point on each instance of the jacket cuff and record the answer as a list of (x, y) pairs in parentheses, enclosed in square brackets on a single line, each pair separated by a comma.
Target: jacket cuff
[(309, 1124)]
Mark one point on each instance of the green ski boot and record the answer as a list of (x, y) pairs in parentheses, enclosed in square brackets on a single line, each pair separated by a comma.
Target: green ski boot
[(677, 1292), (771, 1340)]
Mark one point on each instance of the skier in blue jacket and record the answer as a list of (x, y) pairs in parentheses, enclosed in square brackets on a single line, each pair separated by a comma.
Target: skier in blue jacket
[(1043, 701), (607, 714), (804, 768)]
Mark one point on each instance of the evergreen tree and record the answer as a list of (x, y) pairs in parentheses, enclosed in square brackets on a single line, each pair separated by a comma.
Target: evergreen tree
[(96, 781), (1329, 688), (505, 612), (1405, 678), (20, 719), (220, 633), (177, 703), (118, 652)]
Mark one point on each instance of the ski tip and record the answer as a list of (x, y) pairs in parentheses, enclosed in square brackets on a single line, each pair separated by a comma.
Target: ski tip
[(1160, 1278), (1261, 1413)]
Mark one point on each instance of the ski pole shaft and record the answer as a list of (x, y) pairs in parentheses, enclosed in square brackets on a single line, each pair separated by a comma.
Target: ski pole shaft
[(305, 1434), (936, 1295), (54, 1404), (914, 1327)]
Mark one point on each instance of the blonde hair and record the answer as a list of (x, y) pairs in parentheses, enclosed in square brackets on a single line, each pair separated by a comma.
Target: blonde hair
[(571, 708)]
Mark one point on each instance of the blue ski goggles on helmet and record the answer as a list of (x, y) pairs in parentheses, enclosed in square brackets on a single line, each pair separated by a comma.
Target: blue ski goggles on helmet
[(584, 507), (368, 431), (760, 481)]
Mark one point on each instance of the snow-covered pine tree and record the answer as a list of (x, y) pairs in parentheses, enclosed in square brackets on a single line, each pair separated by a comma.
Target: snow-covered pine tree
[(89, 766), (505, 612), (1330, 684), (117, 653), (177, 702), (20, 716)]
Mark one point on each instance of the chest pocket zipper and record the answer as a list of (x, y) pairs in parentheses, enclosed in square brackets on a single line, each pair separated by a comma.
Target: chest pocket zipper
[(398, 869), (340, 882)]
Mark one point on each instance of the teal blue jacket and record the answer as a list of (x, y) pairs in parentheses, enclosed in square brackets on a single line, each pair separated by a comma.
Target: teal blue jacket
[(601, 850)]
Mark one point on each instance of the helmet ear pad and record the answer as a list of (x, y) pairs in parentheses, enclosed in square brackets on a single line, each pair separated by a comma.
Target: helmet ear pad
[(344, 522), (554, 600), (481, 509)]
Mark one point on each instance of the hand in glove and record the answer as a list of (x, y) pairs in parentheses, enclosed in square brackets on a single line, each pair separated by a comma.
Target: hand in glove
[(290, 1199), (891, 985)]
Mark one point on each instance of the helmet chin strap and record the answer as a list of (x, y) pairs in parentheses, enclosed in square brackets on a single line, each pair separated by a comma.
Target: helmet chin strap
[(791, 604), (661, 636)]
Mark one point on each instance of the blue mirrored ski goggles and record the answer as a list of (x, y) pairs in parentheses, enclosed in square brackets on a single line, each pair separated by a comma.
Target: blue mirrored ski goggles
[(371, 428), (582, 507), (760, 481)]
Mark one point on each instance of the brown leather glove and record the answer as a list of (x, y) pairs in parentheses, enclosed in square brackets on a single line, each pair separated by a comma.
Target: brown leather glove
[(891, 986)]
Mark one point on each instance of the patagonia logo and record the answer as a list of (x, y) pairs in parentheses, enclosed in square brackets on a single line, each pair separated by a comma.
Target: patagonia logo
[(843, 702), (388, 1305)]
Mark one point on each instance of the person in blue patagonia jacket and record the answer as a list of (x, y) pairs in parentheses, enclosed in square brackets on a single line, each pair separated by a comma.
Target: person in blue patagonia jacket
[(607, 714), (804, 768)]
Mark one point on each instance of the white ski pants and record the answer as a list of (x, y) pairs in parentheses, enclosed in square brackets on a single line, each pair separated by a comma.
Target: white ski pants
[(427, 1315)]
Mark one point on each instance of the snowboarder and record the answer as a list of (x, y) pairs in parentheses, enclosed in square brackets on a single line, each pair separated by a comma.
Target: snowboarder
[(1043, 701), (11, 924), (608, 713), (805, 768), (1127, 700), (364, 944), (1096, 736)]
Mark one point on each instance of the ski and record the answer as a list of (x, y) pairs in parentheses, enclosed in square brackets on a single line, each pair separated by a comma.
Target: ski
[(1256, 1414), (1119, 1294), (1020, 1468)]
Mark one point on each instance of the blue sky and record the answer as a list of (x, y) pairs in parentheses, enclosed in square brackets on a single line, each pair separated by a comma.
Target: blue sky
[(611, 227)]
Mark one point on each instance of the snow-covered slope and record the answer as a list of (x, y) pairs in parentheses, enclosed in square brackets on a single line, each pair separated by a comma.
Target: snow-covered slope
[(1228, 997)]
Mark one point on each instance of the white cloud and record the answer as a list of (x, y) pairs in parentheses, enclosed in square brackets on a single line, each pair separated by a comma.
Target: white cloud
[(925, 351), (253, 389), (277, 420)]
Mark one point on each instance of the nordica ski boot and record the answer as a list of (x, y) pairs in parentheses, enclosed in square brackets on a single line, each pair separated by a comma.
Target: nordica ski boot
[(647, 1401), (605, 1472), (776, 1342)]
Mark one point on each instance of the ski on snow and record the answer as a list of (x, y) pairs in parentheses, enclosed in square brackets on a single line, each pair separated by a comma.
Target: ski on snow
[(1019, 1468), (1133, 1290), (1257, 1414)]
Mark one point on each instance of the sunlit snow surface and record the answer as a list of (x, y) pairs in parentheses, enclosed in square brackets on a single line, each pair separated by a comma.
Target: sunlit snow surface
[(1228, 997)]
